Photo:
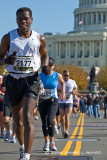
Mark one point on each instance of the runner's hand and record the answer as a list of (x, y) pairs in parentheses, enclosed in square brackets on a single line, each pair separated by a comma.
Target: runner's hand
[(11, 59)]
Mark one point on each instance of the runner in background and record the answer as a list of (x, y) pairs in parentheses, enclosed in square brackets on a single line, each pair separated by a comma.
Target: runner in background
[(48, 103), (1, 108), (6, 116), (65, 107)]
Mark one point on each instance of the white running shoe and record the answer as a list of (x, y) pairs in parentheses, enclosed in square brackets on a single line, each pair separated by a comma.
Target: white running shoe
[(56, 130), (13, 139), (52, 147), (46, 146)]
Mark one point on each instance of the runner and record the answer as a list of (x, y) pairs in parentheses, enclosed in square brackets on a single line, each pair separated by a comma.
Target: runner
[(48, 103), (6, 115), (65, 107), (25, 51), (1, 108)]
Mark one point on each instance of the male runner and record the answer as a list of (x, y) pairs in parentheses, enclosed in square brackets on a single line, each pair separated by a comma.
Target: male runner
[(25, 52)]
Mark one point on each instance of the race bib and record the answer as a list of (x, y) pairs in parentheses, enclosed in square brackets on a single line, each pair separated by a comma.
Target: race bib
[(46, 93), (24, 64), (68, 95)]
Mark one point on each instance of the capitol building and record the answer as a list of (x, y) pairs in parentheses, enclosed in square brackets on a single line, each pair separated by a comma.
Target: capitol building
[(86, 45)]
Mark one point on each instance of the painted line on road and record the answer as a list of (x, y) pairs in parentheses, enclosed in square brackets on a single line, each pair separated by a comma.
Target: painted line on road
[(78, 143), (69, 143), (74, 140)]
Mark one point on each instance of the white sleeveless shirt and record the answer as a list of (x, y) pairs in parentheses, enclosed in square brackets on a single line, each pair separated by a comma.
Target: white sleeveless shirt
[(27, 54)]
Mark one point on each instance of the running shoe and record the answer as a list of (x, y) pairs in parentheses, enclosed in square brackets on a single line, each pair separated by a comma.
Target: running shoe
[(56, 130), (59, 128), (21, 152), (52, 147), (66, 135), (8, 135), (46, 146), (2, 135), (13, 139)]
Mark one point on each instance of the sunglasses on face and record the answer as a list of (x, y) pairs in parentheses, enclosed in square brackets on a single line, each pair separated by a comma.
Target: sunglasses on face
[(66, 75)]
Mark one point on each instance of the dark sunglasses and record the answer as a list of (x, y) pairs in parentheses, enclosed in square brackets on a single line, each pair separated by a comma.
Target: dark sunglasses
[(66, 75)]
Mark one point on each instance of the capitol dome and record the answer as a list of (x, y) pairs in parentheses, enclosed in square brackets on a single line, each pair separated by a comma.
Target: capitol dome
[(91, 16)]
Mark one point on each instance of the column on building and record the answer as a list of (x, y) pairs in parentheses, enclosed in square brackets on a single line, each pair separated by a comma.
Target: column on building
[(101, 17), (69, 48), (59, 50), (83, 49), (104, 50), (66, 55), (76, 47), (92, 53), (96, 18), (92, 18), (100, 48), (106, 18)]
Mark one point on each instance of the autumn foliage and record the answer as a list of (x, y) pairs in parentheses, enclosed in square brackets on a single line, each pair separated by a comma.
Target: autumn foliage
[(76, 73), (102, 78)]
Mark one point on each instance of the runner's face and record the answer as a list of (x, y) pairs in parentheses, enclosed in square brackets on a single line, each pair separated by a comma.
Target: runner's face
[(66, 76), (24, 21)]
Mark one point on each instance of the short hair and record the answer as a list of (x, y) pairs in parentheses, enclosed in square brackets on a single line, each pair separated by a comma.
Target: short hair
[(65, 71), (51, 61), (24, 9)]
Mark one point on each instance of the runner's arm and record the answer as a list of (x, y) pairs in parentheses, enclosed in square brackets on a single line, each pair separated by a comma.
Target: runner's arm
[(4, 47), (43, 52), (60, 79)]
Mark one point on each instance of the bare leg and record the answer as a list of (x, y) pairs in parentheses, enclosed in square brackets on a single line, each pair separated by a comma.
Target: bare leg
[(28, 121), (62, 117), (67, 118), (6, 123)]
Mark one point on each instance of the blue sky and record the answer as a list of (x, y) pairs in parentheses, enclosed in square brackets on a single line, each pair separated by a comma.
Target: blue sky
[(48, 15)]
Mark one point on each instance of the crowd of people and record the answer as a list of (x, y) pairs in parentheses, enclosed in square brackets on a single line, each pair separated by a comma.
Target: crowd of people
[(24, 92)]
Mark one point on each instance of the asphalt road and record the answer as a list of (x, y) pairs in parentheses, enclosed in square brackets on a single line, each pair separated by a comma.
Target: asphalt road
[(87, 141)]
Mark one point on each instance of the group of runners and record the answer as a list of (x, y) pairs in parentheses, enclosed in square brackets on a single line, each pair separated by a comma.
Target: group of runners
[(23, 51)]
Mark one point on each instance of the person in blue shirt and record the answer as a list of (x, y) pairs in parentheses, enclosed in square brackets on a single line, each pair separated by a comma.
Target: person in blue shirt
[(48, 102)]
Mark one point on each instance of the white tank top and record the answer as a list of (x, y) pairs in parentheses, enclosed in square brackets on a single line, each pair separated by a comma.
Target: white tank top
[(27, 54)]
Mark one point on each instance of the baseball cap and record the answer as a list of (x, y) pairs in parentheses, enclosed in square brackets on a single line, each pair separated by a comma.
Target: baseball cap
[(1, 76), (51, 61)]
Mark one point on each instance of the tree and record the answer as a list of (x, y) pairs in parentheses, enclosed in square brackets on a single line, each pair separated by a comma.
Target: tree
[(2, 70), (76, 73), (102, 78)]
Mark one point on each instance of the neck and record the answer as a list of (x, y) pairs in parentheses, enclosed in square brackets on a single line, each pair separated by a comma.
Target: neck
[(26, 34)]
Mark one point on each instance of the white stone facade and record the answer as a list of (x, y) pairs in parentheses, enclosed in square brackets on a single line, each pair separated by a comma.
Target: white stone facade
[(87, 44)]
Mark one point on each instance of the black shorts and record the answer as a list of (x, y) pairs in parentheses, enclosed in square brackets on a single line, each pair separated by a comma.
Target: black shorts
[(16, 89), (1, 106), (6, 110)]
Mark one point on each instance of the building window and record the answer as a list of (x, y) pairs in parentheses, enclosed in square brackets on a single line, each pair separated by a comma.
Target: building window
[(104, 18), (91, 1), (87, 1), (98, 43), (94, 19), (95, 1), (99, 1), (104, 1), (89, 18), (97, 53), (99, 18), (49, 45), (63, 54)]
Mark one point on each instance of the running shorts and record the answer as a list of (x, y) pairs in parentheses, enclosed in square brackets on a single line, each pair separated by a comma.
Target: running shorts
[(1, 106), (65, 105), (16, 89)]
